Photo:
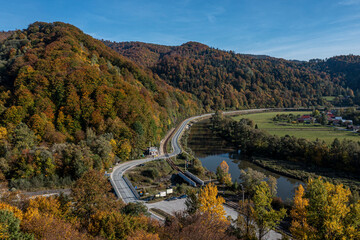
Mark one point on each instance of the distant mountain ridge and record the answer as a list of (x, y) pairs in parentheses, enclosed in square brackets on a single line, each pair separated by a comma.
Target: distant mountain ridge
[(225, 80), (45, 56)]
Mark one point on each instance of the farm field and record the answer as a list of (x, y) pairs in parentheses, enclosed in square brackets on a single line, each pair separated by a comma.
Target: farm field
[(330, 98), (300, 130)]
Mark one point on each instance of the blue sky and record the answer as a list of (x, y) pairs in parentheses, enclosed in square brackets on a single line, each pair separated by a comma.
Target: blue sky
[(291, 29)]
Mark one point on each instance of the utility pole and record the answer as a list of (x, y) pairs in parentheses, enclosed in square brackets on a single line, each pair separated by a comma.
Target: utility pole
[(242, 189)]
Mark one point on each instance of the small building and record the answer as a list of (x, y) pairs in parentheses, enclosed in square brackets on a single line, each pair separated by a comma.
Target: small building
[(330, 115), (306, 119), (347, 122), (152, 151), (339, 119)]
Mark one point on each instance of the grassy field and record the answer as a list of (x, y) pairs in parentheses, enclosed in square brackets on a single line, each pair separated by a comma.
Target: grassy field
[(307, 131), (329, 98)]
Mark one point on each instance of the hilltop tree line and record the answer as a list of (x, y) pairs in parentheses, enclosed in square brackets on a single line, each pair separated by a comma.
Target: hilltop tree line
[(225, 80)]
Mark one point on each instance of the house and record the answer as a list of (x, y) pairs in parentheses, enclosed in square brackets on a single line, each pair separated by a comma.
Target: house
[(347, 122), (152, 151), (330, 115), (338, 119), (306, 119)]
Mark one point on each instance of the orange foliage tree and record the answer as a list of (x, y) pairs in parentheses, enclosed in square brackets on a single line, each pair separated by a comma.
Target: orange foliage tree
[(199, 226), (223, 174)]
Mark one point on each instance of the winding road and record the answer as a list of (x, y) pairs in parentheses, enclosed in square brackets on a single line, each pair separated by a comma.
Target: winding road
[(123, 190)]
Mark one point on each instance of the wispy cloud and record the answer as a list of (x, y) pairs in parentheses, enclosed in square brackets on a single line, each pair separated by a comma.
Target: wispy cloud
[(214, 13), (349, 2), (321, 45)]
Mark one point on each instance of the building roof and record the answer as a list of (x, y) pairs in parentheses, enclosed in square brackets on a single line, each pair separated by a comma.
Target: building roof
[(152, 149)]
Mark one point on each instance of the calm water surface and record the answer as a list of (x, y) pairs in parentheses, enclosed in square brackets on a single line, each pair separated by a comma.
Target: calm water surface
[(212, 150)]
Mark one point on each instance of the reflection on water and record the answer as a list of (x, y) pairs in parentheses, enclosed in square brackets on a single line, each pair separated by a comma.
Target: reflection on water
[(212, 150)]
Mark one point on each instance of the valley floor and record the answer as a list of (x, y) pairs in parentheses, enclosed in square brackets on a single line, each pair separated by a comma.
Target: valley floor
[(299, 130)]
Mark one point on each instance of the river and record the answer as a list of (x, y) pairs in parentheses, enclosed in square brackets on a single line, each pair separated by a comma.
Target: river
[(211, 150)]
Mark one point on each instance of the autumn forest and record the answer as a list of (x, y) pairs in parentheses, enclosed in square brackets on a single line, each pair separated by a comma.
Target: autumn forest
[(72, 106)]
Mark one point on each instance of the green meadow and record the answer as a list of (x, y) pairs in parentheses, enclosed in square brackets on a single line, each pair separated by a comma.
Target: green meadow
[(329, 98), (300, 130)]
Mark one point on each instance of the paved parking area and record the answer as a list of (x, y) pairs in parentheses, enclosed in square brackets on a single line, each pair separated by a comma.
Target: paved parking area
[(179, 205), (169, 206)]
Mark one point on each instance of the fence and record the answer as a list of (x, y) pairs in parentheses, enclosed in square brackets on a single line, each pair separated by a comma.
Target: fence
[(188, 180), (194, 178), (131, 187)]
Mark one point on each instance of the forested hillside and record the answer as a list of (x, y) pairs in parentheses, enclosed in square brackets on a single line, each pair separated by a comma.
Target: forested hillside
[(68, 104), (225, 80), (342, 67)]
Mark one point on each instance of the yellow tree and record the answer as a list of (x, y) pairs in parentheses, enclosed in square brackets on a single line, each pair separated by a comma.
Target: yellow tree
[(299, 225), (353, 229), (123, 149), (211, 203), (325, 212), (246, 219), (51, 206), (266, 218), (336, 210), (3, 133), (17, 212)]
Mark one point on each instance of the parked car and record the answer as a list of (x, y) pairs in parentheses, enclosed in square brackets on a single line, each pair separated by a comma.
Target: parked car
[(171, 199)]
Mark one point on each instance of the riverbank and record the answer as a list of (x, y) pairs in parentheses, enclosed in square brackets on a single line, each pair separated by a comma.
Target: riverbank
[(304, 172)]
